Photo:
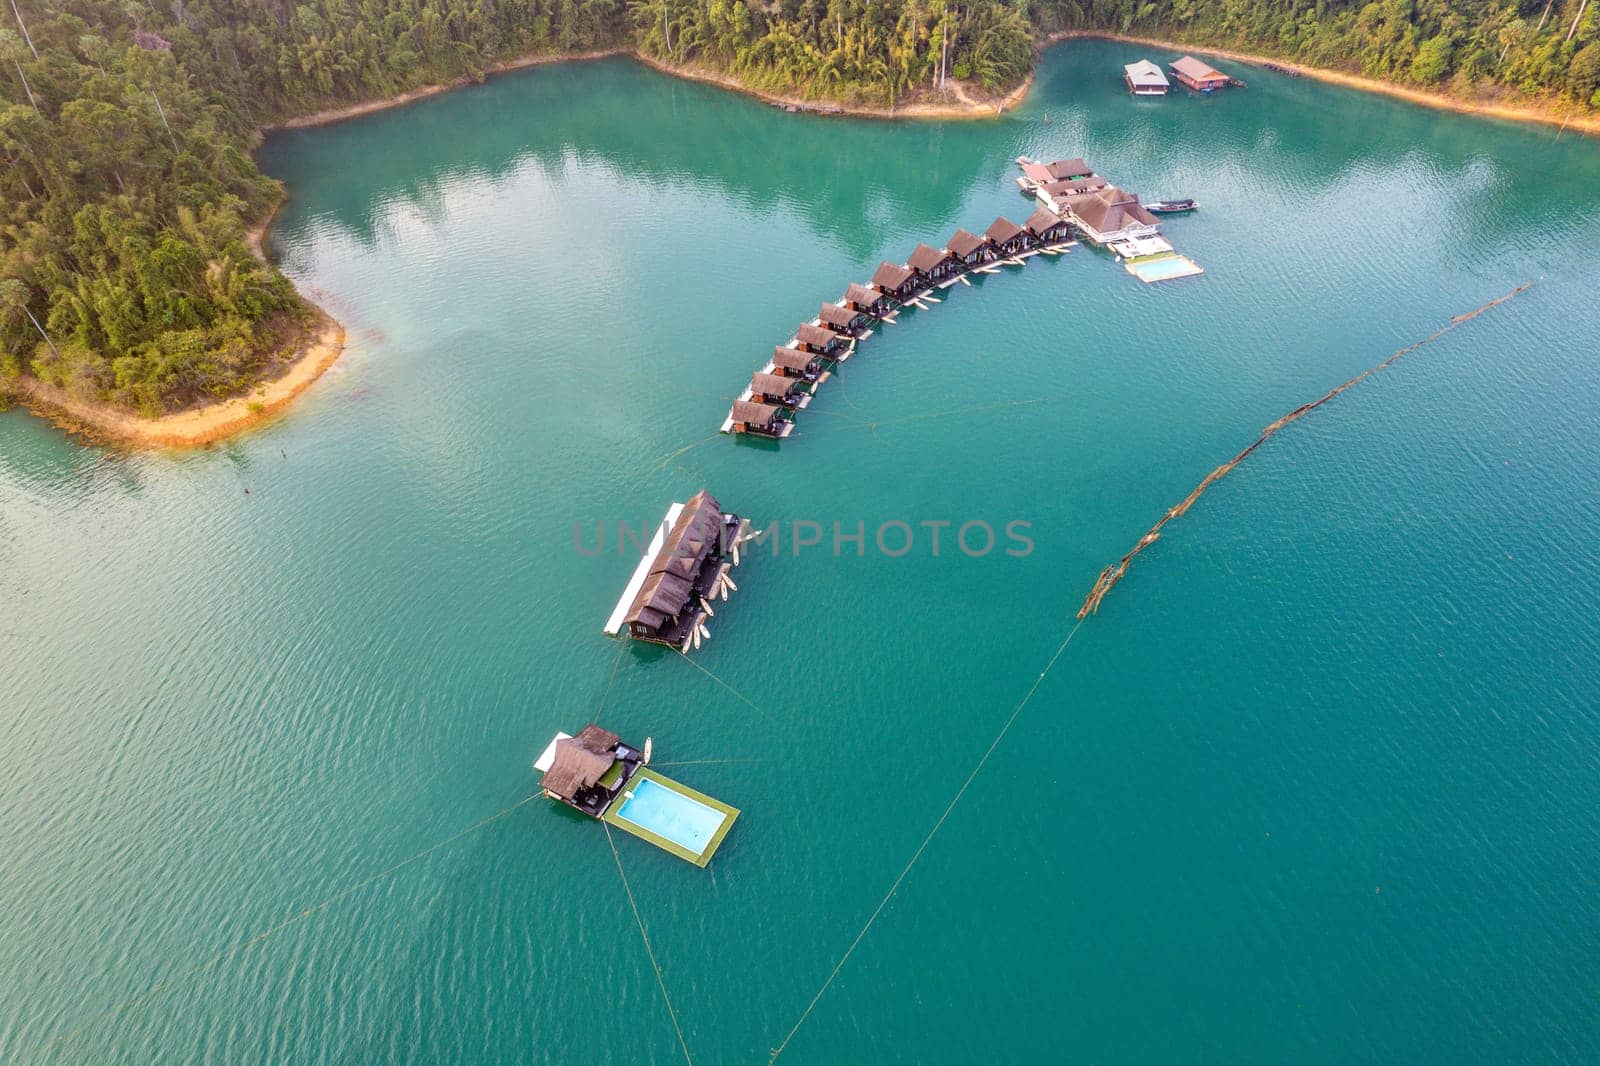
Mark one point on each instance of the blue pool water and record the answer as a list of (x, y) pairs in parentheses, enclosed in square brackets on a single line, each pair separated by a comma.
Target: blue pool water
[(684, 821)]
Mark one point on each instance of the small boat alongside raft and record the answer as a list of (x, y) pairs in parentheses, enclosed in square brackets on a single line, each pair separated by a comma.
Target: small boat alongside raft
[(1170, 207)]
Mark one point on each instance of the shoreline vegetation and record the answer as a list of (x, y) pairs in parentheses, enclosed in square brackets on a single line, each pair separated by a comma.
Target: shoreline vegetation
[(126, 308)]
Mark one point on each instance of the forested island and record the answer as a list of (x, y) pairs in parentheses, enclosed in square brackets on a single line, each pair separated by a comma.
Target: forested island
[(127, 189)]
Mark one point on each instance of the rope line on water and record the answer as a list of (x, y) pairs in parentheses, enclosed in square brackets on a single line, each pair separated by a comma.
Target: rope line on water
[(753, 704), (660, 979), (1113, 573), (938, 825), (616, 664), (309, 912)]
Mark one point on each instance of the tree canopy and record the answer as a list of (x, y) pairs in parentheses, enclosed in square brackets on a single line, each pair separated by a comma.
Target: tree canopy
[(126, 183)]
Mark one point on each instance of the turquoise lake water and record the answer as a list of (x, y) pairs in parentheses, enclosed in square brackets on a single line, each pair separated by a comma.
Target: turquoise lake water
[(1321, 783)]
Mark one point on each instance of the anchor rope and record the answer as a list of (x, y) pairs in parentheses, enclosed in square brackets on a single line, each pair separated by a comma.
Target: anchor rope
[(938, 825), (660, 979), (753, 704), (287, 923), (1113, 573)]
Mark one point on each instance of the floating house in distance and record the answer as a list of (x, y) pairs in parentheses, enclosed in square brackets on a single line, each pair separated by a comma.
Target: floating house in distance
[(899, 283), (868, 300), (1008, 237), (779, 391), (669, 596), (1109, 215), (934, 265), (1195, 75), (972, 250), (596, 773), (1144, 78)]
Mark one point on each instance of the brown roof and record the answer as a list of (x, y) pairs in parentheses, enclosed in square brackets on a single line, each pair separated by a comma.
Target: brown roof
[(772, 385), (1191, 67), (1002, 230), (594, 738), (1041, 221), (574, 767), (754, 414), (890, 276), (1069, 168), (834, 315), (865, 295), (1066, 188), (926, 258), (964, 243), (791, 358), (809, 334), (696, 534), (1109, 210)]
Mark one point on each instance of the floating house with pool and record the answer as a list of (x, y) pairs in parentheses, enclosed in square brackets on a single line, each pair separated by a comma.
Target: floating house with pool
[(599, 775), (686, 566)]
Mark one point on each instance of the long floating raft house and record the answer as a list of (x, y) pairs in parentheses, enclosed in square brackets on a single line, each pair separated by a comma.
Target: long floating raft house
[(599, 775), (686, 566), (1193, 74)]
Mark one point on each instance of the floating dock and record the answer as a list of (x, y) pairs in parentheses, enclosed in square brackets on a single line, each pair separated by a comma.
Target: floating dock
[(597, 774)]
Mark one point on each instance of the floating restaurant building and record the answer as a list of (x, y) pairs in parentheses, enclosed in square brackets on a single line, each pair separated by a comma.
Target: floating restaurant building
[(972, 250), (935, 265), (686, 566), (1144, 78), (779, 391), (1008, 237), (1196, 75), (1109, 215), (867, 299), (599, 775), (899, 283)]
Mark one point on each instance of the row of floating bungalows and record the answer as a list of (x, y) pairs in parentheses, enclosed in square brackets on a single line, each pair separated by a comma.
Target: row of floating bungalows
[(788, 382)]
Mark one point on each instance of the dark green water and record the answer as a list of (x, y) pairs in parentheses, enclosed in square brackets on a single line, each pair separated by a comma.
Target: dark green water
[(1320, 784)]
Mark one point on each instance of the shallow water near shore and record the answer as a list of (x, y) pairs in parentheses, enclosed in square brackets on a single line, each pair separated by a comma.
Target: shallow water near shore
[(1318, 784)]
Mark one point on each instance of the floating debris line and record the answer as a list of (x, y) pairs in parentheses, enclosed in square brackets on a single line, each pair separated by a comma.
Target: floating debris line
[(1113, 573)]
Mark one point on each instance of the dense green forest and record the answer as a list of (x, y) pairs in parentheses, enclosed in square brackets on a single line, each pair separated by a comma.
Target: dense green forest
[(126, 184)]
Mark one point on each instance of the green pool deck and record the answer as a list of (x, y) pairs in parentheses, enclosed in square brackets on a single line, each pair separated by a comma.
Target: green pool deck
[(729, 815)]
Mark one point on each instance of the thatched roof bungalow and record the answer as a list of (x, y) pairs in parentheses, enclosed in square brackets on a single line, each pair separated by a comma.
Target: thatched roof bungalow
[(683, 573), (972, 249), (868, 300), (1047, 227), (818, 339), (779, 391), (897, 282), (1008, 237), (589, 770), (933, 264), (793, 363), (760, 419), (842, 319)]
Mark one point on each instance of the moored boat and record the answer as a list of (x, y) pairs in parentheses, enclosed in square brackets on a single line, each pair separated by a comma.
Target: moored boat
[(1171, 207)]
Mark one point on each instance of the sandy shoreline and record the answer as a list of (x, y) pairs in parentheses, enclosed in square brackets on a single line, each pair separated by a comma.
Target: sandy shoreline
[(104, 423), (1587, 124)]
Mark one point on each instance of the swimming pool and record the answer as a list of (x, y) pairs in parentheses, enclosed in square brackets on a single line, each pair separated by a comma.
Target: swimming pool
[(669, 814), (1163, 269)]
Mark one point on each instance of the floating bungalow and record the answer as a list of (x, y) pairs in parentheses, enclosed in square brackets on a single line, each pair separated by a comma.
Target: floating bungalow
[(1008, 238), (599, 775), (1144, 78), (1196, 75), (758, 420), (1109, 215), (818, 339), (793, 363), (934, 265), (779, 391), (867, 299), (899, 283), (686, 566), (840, 319), (972, 250), (1048, 228)]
